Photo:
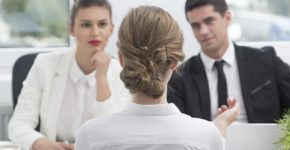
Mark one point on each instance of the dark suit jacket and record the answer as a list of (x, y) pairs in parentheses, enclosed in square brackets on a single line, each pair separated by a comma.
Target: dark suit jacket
[(265, 85)]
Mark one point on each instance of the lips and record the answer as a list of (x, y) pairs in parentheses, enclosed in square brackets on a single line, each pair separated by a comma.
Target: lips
[(207, 40), (95, 42)]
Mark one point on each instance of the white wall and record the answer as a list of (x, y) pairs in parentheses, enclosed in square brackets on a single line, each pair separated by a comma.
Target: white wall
[(174, 7), (120, 8)]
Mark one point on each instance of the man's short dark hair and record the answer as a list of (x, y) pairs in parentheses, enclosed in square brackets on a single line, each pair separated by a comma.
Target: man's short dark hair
[(220, 6)]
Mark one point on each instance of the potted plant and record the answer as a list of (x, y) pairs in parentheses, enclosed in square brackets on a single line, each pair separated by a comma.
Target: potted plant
[(284, 124)]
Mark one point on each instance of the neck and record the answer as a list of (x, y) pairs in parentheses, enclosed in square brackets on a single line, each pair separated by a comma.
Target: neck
[(219, 52), (143, 99), (84, 63)]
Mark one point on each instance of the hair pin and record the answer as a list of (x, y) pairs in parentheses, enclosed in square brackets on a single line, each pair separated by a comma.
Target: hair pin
[(166, 50)]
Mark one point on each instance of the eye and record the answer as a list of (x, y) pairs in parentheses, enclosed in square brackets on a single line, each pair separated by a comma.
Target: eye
[(103, 24), (209, 20), (195, 26), (85, 25)]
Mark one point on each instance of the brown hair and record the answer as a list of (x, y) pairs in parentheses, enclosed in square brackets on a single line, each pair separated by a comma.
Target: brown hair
[(149, 41), (79, 4), (220, 6)]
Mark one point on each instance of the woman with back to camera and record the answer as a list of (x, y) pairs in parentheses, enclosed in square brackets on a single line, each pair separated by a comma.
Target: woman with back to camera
[(64, 89), (150, 46)]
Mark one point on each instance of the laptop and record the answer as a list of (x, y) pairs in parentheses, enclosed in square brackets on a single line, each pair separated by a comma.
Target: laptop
[(252, 136)]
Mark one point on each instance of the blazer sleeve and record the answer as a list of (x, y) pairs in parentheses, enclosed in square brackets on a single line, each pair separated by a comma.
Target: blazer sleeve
[(176, 91), (283, 77), (25, 117)]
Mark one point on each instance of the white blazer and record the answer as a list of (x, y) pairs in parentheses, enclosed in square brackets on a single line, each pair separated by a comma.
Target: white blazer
[(42, 94)]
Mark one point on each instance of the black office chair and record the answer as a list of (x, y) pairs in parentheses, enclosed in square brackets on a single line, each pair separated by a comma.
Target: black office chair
[(20, 71)]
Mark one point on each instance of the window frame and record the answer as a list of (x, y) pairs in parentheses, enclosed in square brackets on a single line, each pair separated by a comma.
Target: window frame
[(8, 56)]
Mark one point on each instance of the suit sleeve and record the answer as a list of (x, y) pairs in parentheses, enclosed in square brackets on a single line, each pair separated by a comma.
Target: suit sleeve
[(176, 91), (283, 78)]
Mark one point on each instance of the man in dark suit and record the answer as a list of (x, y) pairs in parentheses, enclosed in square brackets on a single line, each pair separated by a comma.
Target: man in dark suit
[(257, 78)]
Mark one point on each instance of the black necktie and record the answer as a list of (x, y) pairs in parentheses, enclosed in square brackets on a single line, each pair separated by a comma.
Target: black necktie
[(222, 84)]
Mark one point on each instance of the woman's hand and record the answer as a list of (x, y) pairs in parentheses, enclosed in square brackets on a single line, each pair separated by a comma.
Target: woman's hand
[(101, 61), (45, 144), (227, 115)]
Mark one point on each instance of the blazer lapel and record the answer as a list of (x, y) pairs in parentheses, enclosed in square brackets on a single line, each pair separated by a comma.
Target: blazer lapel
[(202, 84), (245, 76), (57, 91)]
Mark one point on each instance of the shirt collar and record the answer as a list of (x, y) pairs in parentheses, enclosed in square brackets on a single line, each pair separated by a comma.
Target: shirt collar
[(230, 55), (77, 75), (229, 58), (158, 109)]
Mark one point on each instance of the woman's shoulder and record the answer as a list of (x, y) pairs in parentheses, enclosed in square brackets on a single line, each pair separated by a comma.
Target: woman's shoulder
[(49, 56), (193, 128), (200, 124), (51, 59)]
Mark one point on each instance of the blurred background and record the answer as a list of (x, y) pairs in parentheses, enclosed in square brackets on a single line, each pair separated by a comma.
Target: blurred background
[(42, 23), (260, 20)]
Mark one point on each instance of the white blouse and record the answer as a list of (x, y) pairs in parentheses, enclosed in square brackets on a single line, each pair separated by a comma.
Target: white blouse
[(150, 127), (79, 101)]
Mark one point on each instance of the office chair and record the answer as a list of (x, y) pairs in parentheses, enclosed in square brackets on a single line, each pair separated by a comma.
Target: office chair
[(20, 71)]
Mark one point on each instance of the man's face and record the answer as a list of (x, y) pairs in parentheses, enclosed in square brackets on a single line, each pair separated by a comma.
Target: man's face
[(210, 28)]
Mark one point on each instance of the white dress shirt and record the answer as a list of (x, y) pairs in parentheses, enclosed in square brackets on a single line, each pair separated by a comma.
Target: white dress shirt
[(230, 68), (150, 127)]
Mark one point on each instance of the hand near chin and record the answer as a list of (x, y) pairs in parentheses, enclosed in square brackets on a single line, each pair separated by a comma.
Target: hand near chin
[(45, 144), (226, 115), (101, 60)]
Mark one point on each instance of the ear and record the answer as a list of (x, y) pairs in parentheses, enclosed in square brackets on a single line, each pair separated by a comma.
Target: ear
[(173, 66), (228, 17), (120, 58), (71, 30), (112, 29)]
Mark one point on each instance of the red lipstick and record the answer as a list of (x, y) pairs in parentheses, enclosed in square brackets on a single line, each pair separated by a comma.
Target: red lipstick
[(95, 42)]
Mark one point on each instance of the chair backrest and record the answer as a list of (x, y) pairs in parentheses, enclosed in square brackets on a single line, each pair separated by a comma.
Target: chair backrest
[(20, 71)]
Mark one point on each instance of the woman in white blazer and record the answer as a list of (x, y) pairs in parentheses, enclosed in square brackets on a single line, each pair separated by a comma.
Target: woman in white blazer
[(64, 89)]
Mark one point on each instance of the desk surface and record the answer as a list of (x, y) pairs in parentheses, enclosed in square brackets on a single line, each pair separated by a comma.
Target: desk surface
[(6, 145)]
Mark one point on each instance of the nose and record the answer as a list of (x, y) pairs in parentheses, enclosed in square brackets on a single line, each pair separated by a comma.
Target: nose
[(95, 31), (204, 29)]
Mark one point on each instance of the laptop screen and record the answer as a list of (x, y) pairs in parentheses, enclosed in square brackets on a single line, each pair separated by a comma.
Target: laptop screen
[(252, 136)]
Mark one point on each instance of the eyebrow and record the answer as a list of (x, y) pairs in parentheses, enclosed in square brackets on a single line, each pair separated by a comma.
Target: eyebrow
[(90, 20), (209, 18), (204, 20)]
